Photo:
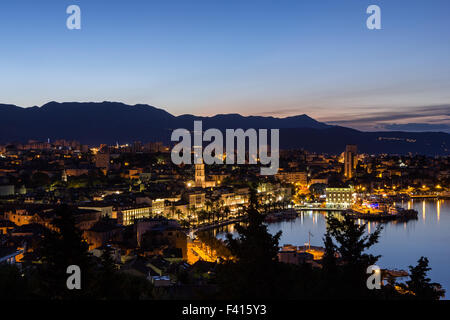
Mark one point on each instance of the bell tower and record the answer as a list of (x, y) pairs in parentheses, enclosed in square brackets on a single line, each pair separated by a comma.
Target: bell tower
[(200, 175)]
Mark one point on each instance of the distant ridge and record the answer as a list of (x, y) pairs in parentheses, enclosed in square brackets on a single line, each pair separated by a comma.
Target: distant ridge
[(107, 122)]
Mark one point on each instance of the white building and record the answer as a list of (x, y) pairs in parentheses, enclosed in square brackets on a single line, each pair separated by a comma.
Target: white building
[(340, 198)]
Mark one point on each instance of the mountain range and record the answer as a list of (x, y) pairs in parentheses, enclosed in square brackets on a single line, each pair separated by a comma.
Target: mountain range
[(111, 122)]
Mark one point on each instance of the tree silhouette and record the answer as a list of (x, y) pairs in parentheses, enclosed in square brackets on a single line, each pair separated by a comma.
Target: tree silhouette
[(420, 284), (12, 285), (254, 273), (351, 243), (329, 260), (59, 250)]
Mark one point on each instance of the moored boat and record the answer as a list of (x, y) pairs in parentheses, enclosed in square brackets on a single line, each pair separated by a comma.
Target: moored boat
[(398, 214)]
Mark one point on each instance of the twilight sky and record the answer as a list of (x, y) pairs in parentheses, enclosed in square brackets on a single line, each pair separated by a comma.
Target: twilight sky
[(254, 57)]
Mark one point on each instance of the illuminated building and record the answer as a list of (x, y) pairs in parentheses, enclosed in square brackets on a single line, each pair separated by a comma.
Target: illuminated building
[(105, 209), (64, 176), (200, 175), (341, 198), (196, 200), (127, 216), (102, 160), (158, 206), (300, 178), (350, 161), (102, 232)]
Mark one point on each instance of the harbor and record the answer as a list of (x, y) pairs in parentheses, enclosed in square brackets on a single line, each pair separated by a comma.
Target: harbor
[(401, 243), (397, 213)]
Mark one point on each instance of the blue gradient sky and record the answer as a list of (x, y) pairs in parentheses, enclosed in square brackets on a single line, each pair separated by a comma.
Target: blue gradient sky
[(254, 57)]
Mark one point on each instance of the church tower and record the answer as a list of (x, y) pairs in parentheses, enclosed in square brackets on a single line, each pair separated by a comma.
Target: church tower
[(200, 175), (64, 176)]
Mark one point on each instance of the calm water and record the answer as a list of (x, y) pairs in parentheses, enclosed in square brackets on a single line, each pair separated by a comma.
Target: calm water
[(400, 244)]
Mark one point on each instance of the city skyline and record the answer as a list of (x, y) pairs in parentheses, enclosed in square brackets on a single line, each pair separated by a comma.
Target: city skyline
[(209, 58), (204, 152)]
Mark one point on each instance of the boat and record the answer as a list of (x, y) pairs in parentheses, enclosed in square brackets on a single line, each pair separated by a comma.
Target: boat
[(279, 216), (393, 213), (395, 273)]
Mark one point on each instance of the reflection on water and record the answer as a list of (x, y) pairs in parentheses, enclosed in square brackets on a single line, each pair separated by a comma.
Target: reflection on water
[(438, 210), (401, 243), (423, 211)]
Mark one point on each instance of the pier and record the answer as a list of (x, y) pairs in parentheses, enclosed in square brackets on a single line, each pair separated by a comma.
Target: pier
[(320, 209)]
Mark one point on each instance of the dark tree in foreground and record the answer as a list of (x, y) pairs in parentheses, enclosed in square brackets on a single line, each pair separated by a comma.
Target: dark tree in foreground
[(13, 286), (330, 271), (255, 244), (420, 285), (346, 277), (112, 284), (351, 244), (352, 240), (59, 250), (100, 278), (254, 272)]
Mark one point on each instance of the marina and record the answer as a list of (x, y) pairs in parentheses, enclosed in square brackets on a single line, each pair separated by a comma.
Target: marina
[(400, 245)]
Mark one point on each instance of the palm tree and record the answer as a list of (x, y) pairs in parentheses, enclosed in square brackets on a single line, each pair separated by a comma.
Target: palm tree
[(209, 205), (192, 212), (221, 205), (172, 209), (178, 213), (215, 211), (202, 215), (226, 212)]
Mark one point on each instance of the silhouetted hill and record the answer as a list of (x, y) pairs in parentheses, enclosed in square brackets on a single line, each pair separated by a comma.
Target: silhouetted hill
[(334, 139), (90, 123), (224, 121), (108, 122)]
